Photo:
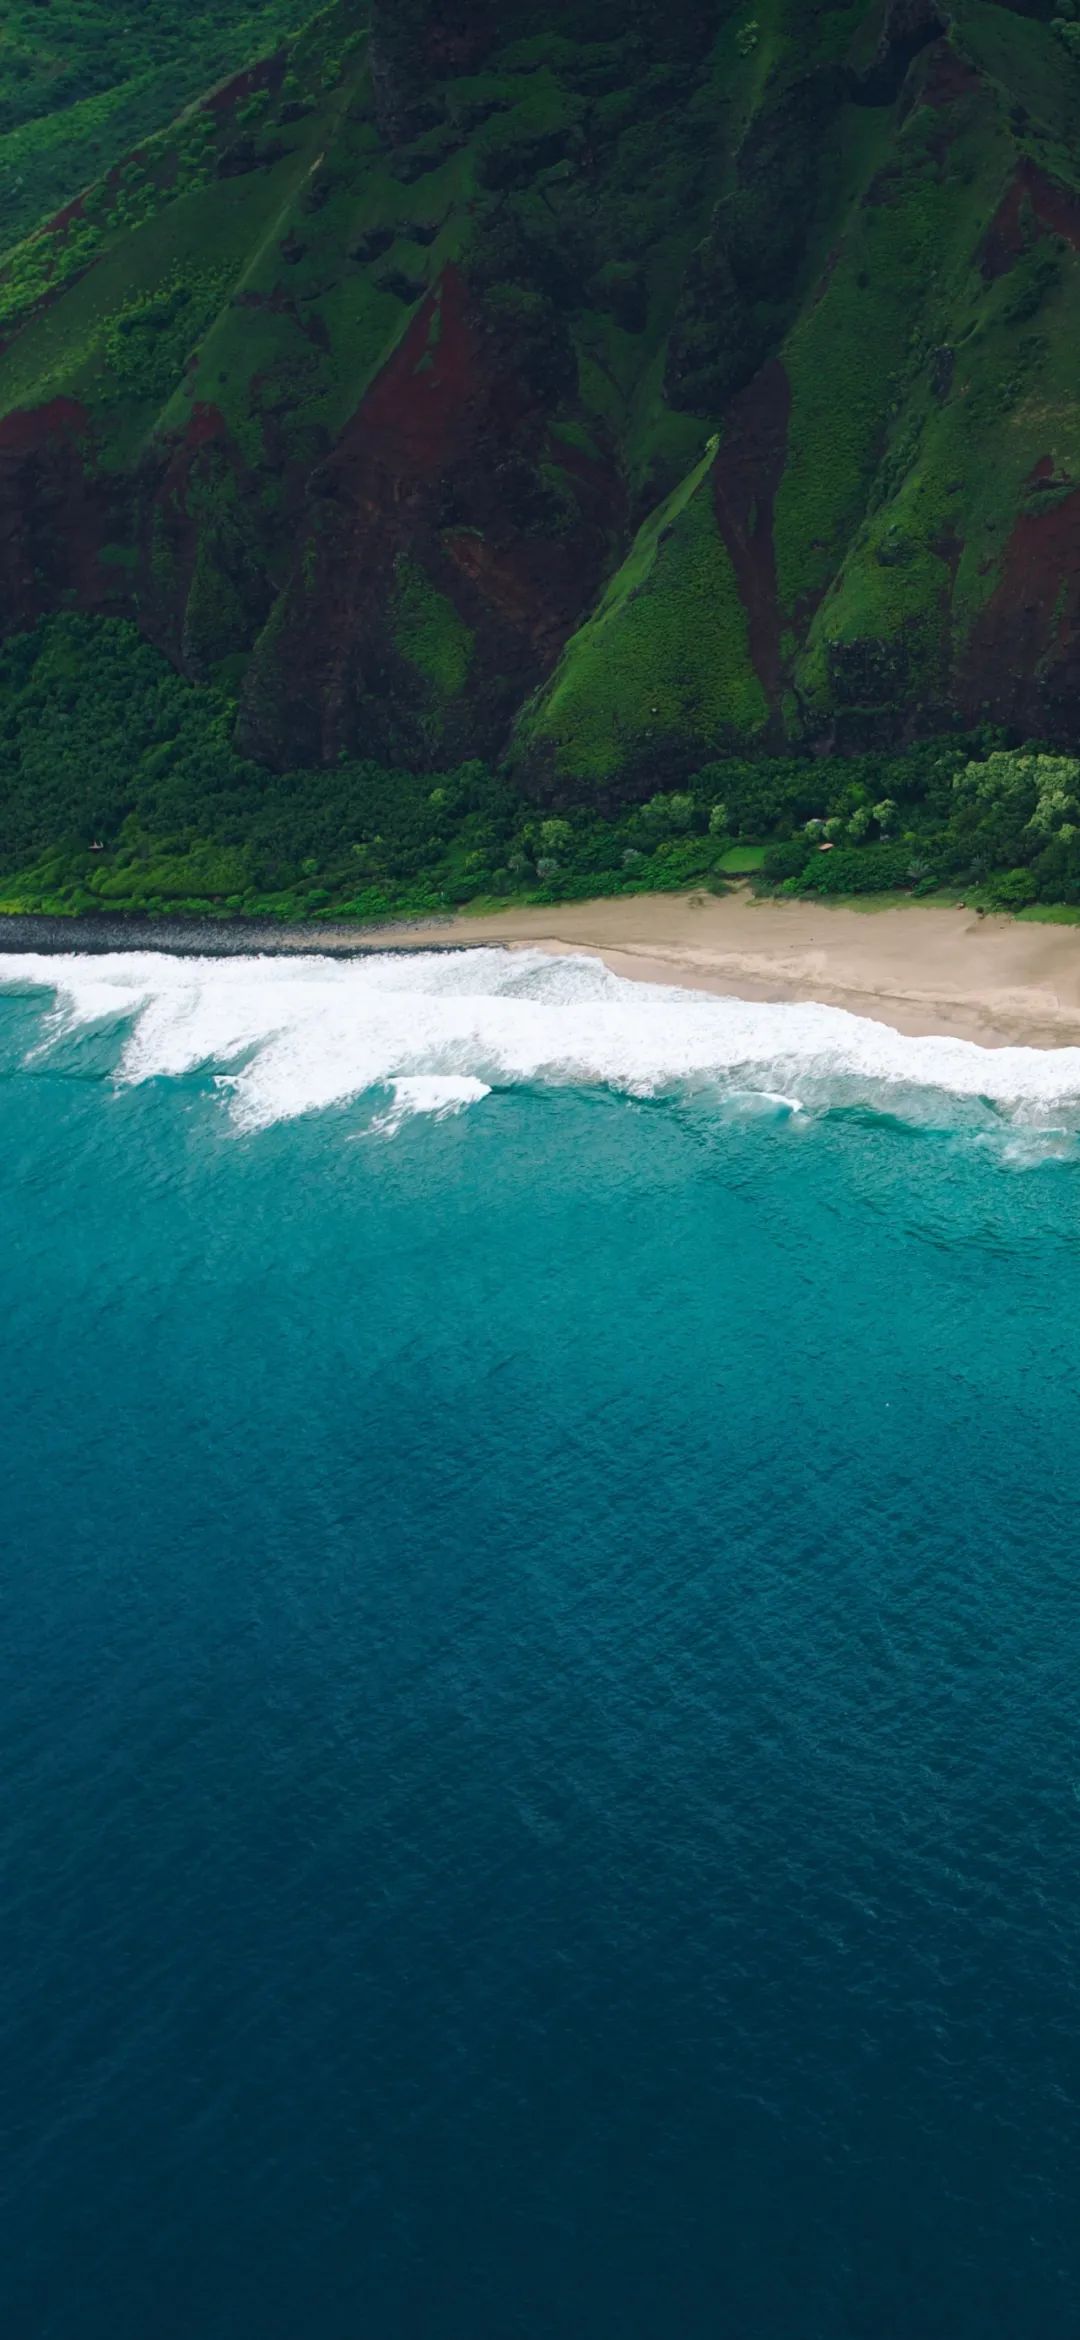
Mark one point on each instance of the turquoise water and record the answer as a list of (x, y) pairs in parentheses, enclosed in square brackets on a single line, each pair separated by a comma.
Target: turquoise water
[(539, 1737)]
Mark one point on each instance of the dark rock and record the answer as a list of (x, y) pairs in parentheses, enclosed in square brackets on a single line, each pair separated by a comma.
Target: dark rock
[(248, 154), (372, 245), (398, 282)]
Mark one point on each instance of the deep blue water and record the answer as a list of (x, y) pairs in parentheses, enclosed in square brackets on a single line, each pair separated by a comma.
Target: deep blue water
[(540, 1722)]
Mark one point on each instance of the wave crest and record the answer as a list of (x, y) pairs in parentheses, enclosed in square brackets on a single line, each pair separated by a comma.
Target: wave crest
[(441, 1028)]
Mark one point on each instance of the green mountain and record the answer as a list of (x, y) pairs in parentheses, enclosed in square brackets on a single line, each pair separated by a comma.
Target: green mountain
[(598, 390)]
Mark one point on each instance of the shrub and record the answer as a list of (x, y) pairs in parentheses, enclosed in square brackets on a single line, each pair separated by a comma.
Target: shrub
[(556, 836), (1041, 792), (1013, 889), (785, 861), (668, 815), (867, 869)]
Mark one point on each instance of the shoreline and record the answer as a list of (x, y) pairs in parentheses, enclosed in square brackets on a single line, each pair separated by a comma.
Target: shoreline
[(922, 969)]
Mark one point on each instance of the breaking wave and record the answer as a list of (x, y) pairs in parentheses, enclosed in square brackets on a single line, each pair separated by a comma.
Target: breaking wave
[(439, 1029)]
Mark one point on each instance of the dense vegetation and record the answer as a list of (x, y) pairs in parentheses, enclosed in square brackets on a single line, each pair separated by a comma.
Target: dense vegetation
[(81, 82), (121, 789), (514, 427)]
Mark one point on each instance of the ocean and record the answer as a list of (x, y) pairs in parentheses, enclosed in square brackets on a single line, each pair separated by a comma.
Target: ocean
[(540, 1730)]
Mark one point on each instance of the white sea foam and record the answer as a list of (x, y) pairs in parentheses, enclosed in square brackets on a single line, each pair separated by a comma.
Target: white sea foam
[(290, 1035), (437, 1093)]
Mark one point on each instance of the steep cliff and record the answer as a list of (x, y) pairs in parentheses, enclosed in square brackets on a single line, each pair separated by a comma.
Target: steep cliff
[(649, 383)]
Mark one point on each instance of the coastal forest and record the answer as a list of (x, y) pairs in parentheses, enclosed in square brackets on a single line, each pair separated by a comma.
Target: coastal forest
[(454, 451)]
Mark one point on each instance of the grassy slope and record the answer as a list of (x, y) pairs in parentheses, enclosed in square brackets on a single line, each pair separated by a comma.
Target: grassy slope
[(83, 82), (666, 651), (171, 216)]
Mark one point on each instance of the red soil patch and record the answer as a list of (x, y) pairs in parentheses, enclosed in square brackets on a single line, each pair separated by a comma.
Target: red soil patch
[(207, 422), (416, 409), (62, 219), (30, 427), (55, 515), (439, 465), (531, 587), (746, 477), (947, 77), (1022, 662), (267, 74), (75, 209), (1029, 194)]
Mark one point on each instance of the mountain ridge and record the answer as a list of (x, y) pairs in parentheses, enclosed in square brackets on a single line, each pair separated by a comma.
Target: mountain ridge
[(601, 404)]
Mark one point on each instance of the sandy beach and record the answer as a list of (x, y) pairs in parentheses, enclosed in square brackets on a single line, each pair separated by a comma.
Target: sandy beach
[(922, 968)]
